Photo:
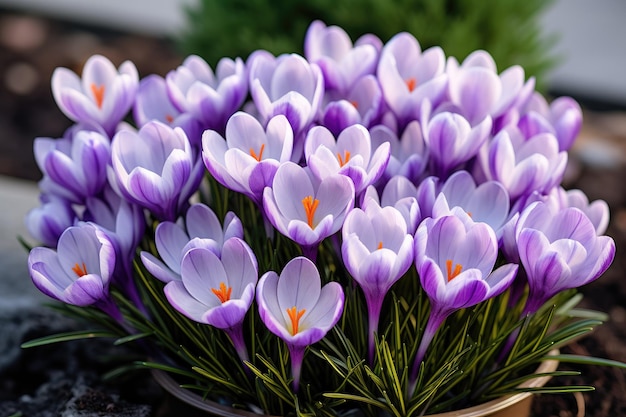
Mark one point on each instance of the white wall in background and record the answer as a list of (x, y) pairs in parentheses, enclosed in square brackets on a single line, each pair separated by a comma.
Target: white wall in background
[(592, 35)]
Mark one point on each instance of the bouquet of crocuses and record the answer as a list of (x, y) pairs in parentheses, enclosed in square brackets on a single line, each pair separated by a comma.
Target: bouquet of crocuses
[(370, 226)]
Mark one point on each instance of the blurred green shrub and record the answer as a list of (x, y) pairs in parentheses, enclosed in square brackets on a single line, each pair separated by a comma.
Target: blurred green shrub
[(508, 29)]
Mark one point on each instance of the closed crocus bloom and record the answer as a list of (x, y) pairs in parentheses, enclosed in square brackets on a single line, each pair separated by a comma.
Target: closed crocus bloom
[(76, 164), (217, 290), (451, 140), (523, 166), (377, 251), (559, 250), (103, 95), (249, 157), (342, 63), (304, 210), (487, 202), (153, 103), (409, 76), (47, 222), (409, 156), (401, 194), (455, 257), (351, 155), (295, 307), (209, 97), (286, 85), (597, 211), (79, 271), (202, 229), (156, 168)]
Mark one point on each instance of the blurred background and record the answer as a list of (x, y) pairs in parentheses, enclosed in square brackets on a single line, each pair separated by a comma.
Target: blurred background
[(572, 47)]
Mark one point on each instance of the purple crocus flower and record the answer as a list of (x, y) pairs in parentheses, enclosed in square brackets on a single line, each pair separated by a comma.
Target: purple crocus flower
[(102, 96), (377, 250), (209, 97), (401, 194), (156, 168), (249, 157), (79, 271), (295, 307), (487, 203), (454, 257), (153, 103), (202, 229), (286, 85), (77, 164), (342, 64), (217, 290), (525, 165), (409, 76), (351, 155), (597, 211), (559, 250), (47, 222), (305, 211), (451, 140), (409, 156)]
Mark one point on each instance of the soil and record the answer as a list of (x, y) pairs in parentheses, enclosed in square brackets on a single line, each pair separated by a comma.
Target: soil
[(31, 47)]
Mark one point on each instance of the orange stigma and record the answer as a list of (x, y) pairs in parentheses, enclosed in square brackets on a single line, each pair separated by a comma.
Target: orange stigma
[(260, 155), (345, 159), (310, 205), (380, 245), (223, 294), (295, 317), (98, 94), (354, 103), (453, 274), (80, 270), (169, 118), (411, 83)]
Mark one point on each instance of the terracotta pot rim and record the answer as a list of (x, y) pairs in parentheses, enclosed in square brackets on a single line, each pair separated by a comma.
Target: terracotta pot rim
[(191, 398)]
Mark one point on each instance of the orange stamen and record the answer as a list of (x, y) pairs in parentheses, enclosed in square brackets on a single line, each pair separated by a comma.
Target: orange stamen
[(310, 205), (223, 294), (260, 155), (295, 317), (80, 271), (380, 244), (411, 83), (169, 118), (354, 103), (453, 274), (342, 162), (98, 94)]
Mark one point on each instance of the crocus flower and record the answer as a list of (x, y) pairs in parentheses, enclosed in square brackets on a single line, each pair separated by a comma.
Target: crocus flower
[(597, 211), (455, 257), (47, 222), (77, 163), (217, 290), (295, 307), (153, 103), (451, 140), (79, 271), (377, 250), (401, 194), (487, 202), (102, 96), (202, 229), (525, 165), (409, 76), (249, 157), (342, 63), (286, 85), (559, 250), (304, 211), (351, 155), (156, 168), (209, 97)]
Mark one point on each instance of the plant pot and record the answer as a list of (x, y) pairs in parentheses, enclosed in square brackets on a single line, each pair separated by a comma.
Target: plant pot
[(517, 405)]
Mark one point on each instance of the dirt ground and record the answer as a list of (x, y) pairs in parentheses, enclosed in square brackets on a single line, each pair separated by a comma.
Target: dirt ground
[(30, 48)]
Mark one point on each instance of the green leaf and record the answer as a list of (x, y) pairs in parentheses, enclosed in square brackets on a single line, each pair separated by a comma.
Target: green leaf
[(66, 337), (132, 338), (586, 360)]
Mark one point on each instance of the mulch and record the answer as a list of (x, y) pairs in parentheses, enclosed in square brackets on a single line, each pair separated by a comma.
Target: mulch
[(31, 47)]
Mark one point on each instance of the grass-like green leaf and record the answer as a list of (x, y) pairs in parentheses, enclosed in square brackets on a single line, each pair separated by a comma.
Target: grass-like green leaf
[(66, 337)]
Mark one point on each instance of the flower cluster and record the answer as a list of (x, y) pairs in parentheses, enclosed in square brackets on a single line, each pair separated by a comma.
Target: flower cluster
[(323, 179)]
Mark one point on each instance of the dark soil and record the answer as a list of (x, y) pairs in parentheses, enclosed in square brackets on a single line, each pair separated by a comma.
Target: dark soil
[(30, 49)]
